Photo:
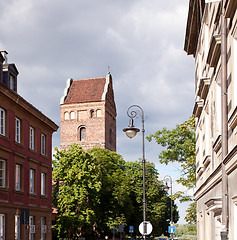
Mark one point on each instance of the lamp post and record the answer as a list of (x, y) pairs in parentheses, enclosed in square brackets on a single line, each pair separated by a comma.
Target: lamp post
[(168, 179), (131, 132)]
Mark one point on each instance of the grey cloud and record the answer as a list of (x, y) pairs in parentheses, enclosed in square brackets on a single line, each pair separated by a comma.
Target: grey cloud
[(141, 41)]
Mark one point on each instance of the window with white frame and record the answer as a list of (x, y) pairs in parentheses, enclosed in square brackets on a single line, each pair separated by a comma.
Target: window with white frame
[(43, 178), (18, 178), (2, 173), (18, 130), (17, 227), (31, 227), (72, 115), (43, 228), (32, 139), (98, 113), (2, 226), (66, 116), (2, 121), (43, 140), (32, 181)]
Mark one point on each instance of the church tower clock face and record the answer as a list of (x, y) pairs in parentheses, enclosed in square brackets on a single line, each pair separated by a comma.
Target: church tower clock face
[(88, 113)]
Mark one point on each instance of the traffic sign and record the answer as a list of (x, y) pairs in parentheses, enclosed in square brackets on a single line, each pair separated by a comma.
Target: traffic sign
[(145, 228), (121, 228), (171, 229), (131, 229)]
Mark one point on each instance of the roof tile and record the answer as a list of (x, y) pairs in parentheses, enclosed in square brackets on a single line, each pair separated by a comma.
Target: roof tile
[(86, 90)]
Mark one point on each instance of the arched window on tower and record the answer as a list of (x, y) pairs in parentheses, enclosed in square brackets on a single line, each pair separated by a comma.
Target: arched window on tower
[(72, 115), (98, 113), (82, 134), (92, 113), (66, 116)]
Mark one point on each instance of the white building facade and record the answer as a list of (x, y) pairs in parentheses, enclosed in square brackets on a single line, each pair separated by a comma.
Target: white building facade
[(211, 37)]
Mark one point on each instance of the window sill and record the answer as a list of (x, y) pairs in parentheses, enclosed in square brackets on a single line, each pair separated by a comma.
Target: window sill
[(4, 189), (19, 144), (32, 194), (5, 137), (32, 150), (44, 197), (19, 192), (44, 156)]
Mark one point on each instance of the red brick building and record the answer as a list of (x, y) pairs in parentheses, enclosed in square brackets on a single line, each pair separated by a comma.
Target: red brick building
[(88, 113), (25, 162)]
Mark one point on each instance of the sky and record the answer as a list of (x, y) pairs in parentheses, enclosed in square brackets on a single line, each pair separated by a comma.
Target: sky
[(140, 42)]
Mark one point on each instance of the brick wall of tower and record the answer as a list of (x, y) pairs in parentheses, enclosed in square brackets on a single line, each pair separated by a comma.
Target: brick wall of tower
[(110, 130), (95, 126), (110, 119)]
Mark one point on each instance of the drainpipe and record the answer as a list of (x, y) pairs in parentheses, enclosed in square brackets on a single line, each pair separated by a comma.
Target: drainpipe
[(224, 116)]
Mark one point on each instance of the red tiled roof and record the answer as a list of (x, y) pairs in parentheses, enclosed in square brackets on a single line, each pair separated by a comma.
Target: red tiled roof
[(86, 90)]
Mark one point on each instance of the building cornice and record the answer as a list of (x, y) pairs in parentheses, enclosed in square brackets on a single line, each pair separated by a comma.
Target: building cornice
[(195, 13), (213, 179)]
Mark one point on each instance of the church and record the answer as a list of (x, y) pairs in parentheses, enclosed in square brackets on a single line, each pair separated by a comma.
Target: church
[(88, 113)]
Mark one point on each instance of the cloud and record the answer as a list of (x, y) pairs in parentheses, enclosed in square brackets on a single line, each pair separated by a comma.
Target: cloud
[(141, 41)]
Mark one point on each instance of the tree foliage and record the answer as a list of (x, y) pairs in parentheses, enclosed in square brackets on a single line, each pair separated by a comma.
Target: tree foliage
[(96, 190), (158, 205), (179, 144), (185, 231)]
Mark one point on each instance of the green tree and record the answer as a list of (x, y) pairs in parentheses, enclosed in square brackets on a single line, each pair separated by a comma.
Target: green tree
[(157, 202), (96, 190), (114, 192), (77, 185), (185, 231), (179, 144), (90, 191)]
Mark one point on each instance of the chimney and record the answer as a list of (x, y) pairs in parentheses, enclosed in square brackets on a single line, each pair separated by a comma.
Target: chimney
[(4, 54)]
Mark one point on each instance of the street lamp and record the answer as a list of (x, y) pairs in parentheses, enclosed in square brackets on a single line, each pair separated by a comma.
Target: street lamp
[(168, 179), (131, 132)]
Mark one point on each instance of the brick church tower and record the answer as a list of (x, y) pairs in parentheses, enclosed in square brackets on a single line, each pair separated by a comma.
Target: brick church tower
[(88, 113)]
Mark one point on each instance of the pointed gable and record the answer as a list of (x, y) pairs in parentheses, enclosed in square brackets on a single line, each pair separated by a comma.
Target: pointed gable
[(86, 90)]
